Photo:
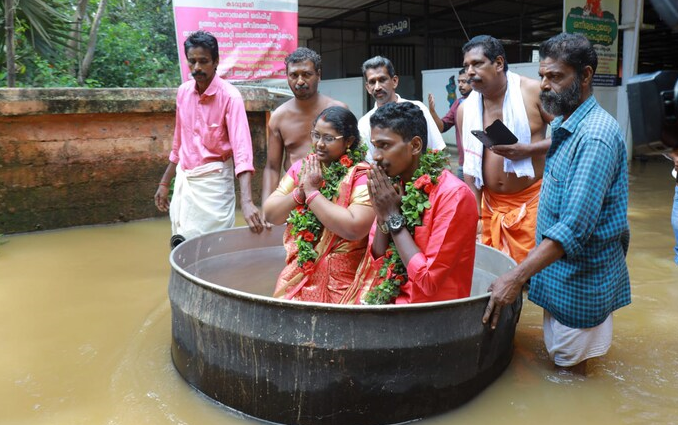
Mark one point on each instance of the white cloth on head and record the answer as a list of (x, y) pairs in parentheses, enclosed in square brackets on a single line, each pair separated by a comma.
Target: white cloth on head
[(514, 117), (203, 199), (569, 347), (435, 139)]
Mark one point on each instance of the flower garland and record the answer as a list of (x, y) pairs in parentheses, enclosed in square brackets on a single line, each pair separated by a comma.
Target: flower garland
[(414, 203), (305, 225)]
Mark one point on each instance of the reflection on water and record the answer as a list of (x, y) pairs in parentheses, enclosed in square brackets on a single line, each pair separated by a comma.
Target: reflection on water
[(85, 334)]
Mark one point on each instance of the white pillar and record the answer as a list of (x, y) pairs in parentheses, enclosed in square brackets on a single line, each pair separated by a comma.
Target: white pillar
[(631, 23), (303, 35)]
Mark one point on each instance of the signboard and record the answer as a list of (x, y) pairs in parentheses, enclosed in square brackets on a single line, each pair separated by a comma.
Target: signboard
[(598, 21), (392, 28), (254, 36)]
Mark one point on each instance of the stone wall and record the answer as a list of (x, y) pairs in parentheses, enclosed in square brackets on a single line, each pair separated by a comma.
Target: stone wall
[(71, 157)]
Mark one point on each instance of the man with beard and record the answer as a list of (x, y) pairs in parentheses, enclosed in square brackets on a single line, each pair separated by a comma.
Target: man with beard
[(578, 269), (381, 82), (506, 179), (211, 140), (449, 120), (290, 125)]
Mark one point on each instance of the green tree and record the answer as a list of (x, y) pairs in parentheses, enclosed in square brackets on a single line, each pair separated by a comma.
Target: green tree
[(137, 47), (39, 22), (134, 46)]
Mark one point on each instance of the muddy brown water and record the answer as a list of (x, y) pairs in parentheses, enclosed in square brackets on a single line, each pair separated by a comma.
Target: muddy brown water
[(85, 334)]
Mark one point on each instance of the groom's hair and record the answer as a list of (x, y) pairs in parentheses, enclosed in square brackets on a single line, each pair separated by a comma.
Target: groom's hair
[(403, 118)]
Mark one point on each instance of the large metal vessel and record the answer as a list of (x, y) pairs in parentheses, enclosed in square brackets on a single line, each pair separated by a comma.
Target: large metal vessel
[(315, 364)]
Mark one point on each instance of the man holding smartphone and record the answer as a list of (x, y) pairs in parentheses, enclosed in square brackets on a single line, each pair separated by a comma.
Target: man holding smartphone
[(506, 179)]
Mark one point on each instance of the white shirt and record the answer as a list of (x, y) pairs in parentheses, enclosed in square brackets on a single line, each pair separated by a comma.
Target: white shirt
[(435, 139)]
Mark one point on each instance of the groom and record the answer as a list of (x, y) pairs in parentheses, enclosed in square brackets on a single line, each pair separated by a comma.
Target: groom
[(432, 259)]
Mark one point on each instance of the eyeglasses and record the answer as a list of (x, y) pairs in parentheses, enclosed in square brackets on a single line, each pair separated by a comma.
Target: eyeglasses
[(326, 138)]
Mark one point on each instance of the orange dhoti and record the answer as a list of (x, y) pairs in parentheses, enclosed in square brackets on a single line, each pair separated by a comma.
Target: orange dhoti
[(510, 220)]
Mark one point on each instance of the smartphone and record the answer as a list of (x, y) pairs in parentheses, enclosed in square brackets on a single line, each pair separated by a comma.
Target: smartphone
[(495, 134)]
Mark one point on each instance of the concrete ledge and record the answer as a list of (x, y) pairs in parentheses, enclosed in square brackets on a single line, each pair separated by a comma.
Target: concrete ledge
[(30, 101), (71, 157)]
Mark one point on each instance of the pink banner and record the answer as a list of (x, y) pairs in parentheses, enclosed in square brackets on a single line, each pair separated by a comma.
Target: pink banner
[(252, 43)]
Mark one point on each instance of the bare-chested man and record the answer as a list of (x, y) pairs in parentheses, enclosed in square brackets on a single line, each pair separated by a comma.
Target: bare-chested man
[(506, 179), (289, 128)]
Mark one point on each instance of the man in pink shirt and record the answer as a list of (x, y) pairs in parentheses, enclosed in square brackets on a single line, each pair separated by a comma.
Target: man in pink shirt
[(211, 139), (427, 221)]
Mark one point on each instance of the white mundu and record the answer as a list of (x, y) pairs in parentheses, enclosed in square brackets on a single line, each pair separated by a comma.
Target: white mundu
[(203, 200)]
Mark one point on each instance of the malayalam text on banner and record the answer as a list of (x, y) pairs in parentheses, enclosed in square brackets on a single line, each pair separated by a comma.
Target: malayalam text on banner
[(254, 36), (597, 21)]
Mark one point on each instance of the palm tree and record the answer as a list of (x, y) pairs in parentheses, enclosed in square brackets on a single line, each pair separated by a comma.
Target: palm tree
[(45, 27), (9, 38)]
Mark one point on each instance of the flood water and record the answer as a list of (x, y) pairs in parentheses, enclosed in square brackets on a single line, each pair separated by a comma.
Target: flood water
[(85, 334)]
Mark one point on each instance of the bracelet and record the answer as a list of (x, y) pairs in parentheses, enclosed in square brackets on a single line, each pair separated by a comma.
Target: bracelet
[(163, 184), (296, 196), (312, 196), (383, 228)]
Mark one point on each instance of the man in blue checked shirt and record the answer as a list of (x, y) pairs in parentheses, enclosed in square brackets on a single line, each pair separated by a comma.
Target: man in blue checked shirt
[(578, 269)]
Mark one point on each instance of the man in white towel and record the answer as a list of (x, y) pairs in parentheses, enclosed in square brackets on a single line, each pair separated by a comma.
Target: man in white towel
[(381, 82), (211, 141), (506, 179)]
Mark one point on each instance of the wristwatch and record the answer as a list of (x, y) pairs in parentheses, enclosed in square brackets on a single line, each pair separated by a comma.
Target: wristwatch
[(395, 222)]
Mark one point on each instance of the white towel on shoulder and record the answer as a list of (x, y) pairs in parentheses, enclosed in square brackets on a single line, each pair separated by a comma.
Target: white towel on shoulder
[(514, 117)]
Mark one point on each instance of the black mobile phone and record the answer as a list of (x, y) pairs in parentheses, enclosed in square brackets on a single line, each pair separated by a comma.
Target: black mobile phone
[(495, 134)]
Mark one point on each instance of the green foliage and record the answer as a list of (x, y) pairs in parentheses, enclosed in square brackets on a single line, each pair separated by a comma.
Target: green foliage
[(33, 69), (154, 16), (394, 273), (136, 45), (45, 24), (126, 58), (415, 200)]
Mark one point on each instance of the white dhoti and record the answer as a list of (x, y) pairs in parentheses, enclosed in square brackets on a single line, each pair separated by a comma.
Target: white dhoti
[(569, 346), (203, 200)]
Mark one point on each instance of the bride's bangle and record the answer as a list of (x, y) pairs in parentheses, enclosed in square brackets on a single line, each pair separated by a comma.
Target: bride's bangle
[(312, 196), (296, 195)]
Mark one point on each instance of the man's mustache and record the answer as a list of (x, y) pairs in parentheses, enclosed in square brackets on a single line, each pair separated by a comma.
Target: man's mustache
[(474, 80), (196, 73)]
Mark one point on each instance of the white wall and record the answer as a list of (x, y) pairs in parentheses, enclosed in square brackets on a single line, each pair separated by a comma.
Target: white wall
[(434, 81), (351, 91)]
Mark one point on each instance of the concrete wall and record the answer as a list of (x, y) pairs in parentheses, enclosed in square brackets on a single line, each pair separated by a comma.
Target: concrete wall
[(72, 157)]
